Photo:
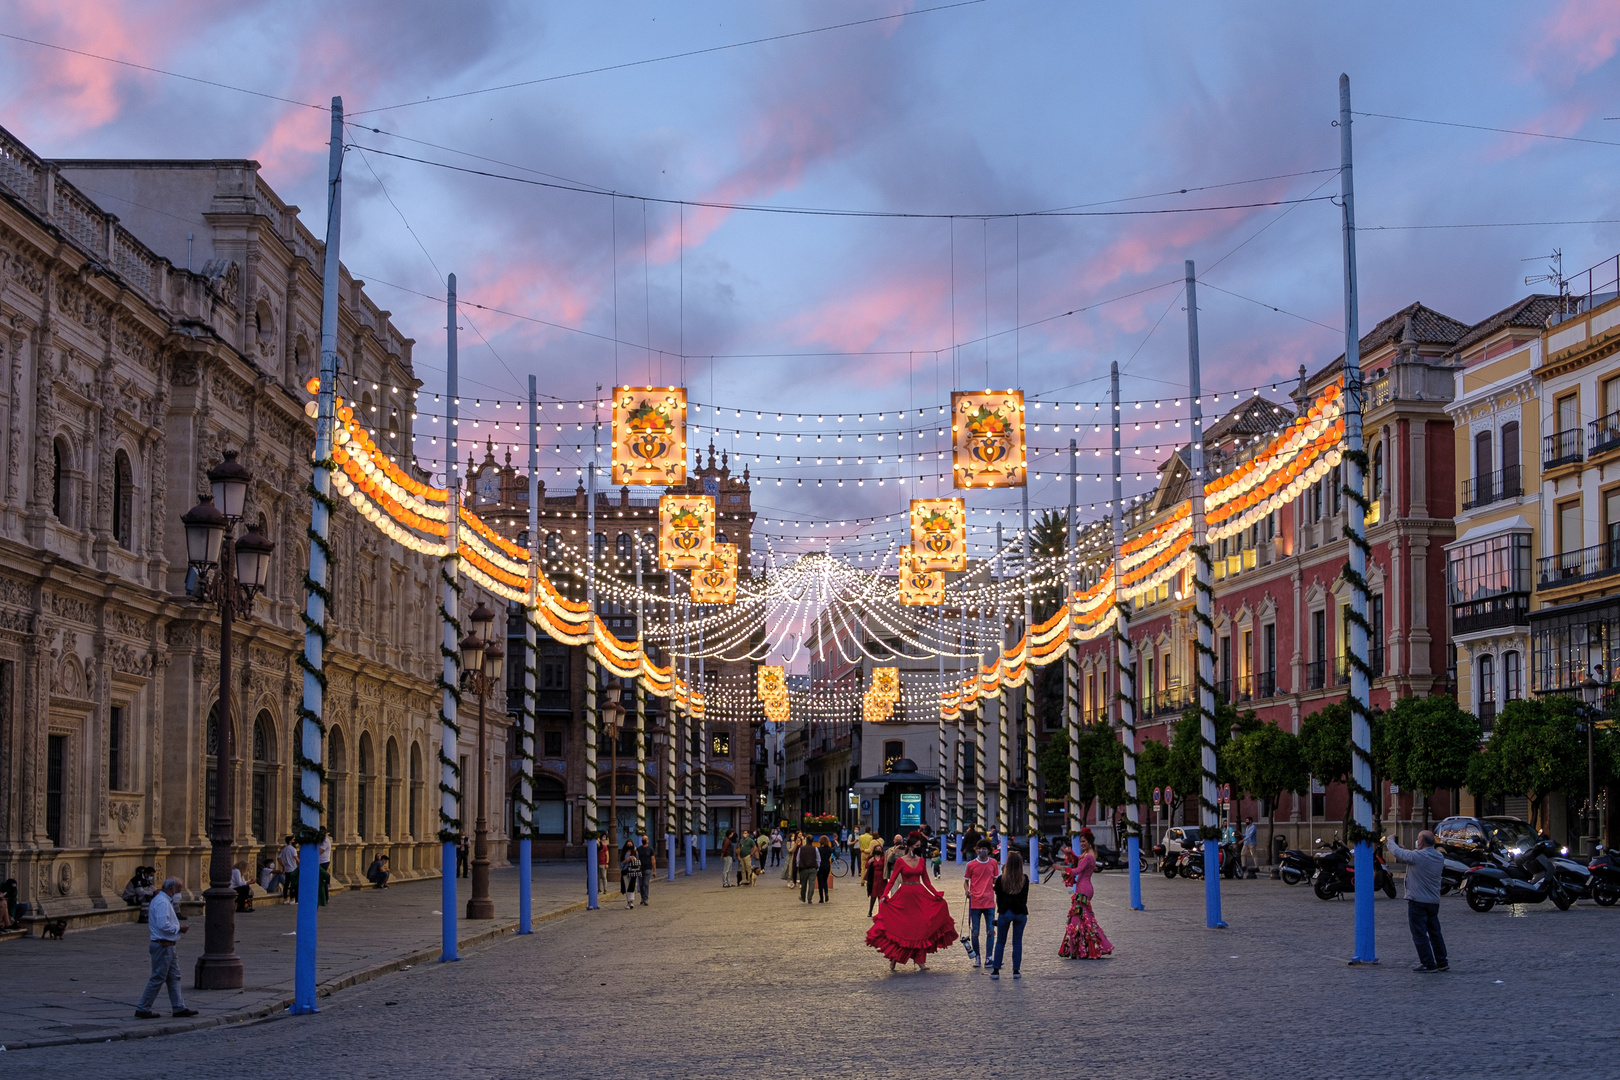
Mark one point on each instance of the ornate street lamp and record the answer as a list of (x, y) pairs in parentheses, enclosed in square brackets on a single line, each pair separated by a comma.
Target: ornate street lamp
[(613, 723), (227, 573), (1592, 689), (484, 661)]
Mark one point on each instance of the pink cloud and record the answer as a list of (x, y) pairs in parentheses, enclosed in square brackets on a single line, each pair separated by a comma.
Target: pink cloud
[(1579, 37)]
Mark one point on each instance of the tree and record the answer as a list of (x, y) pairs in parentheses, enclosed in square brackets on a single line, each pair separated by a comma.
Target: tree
[(1534, 750), (1102, 766), (1048, 540), (1054, 765), (1324, 738), (1187, 749), (1153, 770), (1427, 745), (1265, 762)]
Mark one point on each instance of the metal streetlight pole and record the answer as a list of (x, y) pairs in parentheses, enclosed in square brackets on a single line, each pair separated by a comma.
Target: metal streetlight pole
[(613, 721), (1592, 694), (228, 573), (485, 661)]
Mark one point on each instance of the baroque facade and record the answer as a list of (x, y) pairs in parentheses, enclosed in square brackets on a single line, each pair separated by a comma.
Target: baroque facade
[(129, 374)]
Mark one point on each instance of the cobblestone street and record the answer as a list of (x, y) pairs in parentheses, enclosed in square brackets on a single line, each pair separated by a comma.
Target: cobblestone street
[(710, 982)]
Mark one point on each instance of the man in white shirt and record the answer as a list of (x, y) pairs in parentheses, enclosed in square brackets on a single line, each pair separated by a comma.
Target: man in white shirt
[(289, 871), (166, 928), (324, 852)]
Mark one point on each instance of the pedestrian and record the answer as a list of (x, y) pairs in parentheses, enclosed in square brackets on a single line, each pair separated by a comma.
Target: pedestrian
[(1012, 912), (776, 847), (649, 866), (979, 886), (824, 861), (745, 859), (1423, 900), (1251, 837), (625, 851), (970, 840), (243, 887), (805, 867), (377, 872), (463, 852), (630, 870), (1083, 938), (873, 874), (601, 860), (865, 842), (914, 918), (288, 862), (728, 851), (165, 929), (323, 855)]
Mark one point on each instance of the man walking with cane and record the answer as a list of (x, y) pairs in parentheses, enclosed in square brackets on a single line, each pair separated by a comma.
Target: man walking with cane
[(1423, 899)]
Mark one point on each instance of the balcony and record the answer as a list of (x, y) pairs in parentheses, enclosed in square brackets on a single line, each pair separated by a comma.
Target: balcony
[(1603, 433), (1265, 685), (1315, 674), (1492, 487), (1510, 609), (1562, 448), (1575, 567)]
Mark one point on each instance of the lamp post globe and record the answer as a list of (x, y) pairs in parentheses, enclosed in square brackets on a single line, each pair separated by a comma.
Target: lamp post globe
[(205, 529), (229, 480), (253, 561)]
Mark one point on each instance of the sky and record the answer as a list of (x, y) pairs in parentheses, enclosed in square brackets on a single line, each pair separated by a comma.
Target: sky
[(984, 111)]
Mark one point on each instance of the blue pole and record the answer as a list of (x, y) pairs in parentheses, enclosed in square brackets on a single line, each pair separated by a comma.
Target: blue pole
[(1035, 856), (447, 901), (669, 842), (525, 887), (590, 875), (309, 895), (1212, 885), (959, 846), (703, 852), (1133, 855), (688, 854)]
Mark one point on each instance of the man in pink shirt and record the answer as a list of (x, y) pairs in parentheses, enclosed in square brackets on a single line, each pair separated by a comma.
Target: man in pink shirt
[(979, 883)]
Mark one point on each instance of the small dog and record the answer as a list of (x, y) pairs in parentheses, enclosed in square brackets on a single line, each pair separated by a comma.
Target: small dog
[(55, 928)]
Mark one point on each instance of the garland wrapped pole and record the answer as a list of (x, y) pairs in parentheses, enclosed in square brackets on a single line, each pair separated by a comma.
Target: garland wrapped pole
[(640, 704), (317, 590), (943, 824), (980, 754), (688, 728), (671, 768), (593, 823), (702, 771), (1125, 670), (528, 722), (1071, 659), (963, 747), (1003, 736), (1032, 800), (450, 652), (1355, 572), (1204, 614)]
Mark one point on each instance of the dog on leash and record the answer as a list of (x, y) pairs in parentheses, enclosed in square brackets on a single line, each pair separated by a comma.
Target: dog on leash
[(55, 928)]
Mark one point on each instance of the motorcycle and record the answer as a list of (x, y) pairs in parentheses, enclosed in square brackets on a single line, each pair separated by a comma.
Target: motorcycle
[(1605, 878), (1297, 867), (1232, 859), (1336, 873), (1451, 875), (1513, 882)]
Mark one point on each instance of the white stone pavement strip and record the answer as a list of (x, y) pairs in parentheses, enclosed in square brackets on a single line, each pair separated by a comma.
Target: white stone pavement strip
[(83, 988), (749, 982)]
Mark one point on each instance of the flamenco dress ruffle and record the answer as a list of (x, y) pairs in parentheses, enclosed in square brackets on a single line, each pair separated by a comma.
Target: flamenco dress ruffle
[(911, 924)]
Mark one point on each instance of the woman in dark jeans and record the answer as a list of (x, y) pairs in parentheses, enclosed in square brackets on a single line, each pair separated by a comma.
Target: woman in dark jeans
[(824, 858)]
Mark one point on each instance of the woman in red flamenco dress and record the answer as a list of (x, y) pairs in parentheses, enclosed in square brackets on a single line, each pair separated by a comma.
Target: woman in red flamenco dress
[(1083, 939), (914, 919)]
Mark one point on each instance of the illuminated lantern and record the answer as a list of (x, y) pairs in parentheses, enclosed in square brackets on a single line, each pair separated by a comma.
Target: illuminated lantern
[(649, 435), (685, 531), (987, 439), (716, 581), (881, 695), (939, 533), (918, 586)]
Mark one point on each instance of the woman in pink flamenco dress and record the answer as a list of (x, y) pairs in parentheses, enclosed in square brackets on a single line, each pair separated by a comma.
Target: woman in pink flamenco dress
[(914, 919), (1084, 939)]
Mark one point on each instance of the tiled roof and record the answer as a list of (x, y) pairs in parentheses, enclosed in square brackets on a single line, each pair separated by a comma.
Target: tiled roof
[(1428, 327), (1531, 313)]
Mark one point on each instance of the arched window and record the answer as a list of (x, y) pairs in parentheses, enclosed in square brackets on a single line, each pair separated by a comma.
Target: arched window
[(393, 435), (1512, 677), (1487, 683), (1511, 477), (336, 774), (263, 740), (123, 500), (622, 546), (60, 455), (390, 785), (1378, 470), (720, 537), (649, 549), (601, 545), (416, 790), (363, 788), (551, 545)]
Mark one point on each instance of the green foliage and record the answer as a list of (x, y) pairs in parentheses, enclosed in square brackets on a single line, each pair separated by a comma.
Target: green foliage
[(1534, 750), (1324, 738), (1054, 766), (1153, 771), (1048, 698), (1187, 748), (1102, 766), (1428, 743), (1049, 539), (1266, 762)]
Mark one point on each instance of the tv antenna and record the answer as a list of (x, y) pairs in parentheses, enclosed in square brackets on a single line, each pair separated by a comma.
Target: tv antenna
[(1555, 270)]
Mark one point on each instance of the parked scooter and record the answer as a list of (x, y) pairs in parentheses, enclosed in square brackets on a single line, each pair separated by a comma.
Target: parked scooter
[(1529, 877), (1297, 867), (1605, 878), (1336, 873)]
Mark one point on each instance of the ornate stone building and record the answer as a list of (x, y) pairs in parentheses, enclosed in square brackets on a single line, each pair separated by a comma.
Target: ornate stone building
[(129, 373)]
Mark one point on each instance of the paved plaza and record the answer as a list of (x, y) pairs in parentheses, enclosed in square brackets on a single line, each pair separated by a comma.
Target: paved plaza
[(749, 982)]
